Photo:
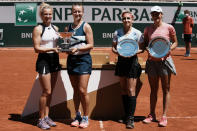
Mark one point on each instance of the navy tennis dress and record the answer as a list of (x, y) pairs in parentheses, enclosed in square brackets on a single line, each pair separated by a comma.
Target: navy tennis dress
[(80, 62)]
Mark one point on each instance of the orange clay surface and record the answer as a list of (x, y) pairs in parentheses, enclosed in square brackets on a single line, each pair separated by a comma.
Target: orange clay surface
[(17, 75)]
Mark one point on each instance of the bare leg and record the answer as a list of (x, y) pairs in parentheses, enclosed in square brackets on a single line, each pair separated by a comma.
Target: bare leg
[(166, 92), (131, 86), (154, 85), (76, 97), (53, 83), (123, 85), (46, 92), (83, 85)]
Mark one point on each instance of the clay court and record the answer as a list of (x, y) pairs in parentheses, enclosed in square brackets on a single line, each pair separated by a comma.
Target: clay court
[(17, 75)]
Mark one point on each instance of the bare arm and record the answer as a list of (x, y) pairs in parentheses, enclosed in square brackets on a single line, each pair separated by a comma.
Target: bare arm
[(89, 38), (174, 42), (143, 45), (56, 28), (37, 40), (114, 45), (140, 50)]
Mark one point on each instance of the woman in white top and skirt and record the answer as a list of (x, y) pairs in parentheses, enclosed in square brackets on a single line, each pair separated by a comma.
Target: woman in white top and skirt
[(47, 65)]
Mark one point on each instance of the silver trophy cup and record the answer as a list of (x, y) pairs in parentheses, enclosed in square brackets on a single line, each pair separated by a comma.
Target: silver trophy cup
[(65, 46)]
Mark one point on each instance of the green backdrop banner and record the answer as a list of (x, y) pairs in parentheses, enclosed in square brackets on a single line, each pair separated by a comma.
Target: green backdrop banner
[(18, 19)]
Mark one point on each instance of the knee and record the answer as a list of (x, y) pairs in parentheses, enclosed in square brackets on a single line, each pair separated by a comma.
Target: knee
[(46, 93), (166, 89), (131, 92), (166, 92), (83, 91)]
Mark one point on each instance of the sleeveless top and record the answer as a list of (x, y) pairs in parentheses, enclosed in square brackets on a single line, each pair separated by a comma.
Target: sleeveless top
[(78, 39), (49, 37)]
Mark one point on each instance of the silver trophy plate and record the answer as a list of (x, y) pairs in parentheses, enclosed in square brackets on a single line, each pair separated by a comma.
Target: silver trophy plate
[(159, 47), (127, 47)]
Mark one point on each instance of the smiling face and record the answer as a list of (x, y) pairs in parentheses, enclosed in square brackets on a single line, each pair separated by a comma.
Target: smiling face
[(47, 15), (156, 16), (127, 19), (77, 12)]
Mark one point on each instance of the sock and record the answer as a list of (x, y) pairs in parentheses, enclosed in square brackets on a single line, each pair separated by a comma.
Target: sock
[(85, 117), (78, 113), (124, 102), (131, 106)]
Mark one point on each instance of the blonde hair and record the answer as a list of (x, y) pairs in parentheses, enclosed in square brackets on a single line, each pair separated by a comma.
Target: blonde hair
[(126, 11), (44, 6)]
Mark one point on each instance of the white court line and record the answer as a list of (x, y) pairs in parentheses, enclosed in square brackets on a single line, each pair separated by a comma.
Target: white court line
[(183, 117), (101, 125)]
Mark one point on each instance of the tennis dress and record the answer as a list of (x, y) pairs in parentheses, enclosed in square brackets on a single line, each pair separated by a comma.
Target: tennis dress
[(80, 62), (166, 65), (48, 62), (127, 67)]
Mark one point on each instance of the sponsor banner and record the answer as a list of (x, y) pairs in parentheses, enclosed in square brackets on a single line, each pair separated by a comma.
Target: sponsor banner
[(112, 14), (25, 14), (104, 18), (93, 14)]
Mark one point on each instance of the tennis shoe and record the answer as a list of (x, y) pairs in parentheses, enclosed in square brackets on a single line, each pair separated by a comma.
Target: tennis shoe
[(49, 121), (84, 123), (163, 122), (149, 119), (77, 120), (130, 123), (42, 124)]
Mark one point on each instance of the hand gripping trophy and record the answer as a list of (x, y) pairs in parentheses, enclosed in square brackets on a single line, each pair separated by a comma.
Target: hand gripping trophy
[(65, 47)]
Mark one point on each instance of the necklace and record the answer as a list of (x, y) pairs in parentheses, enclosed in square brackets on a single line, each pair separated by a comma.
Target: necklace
[(76, 26)]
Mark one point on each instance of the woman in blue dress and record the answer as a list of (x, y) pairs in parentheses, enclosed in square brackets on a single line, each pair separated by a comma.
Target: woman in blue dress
[(79, 63)]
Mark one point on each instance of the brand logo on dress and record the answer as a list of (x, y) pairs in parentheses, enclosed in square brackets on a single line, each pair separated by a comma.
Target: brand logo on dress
[(25, 14)]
